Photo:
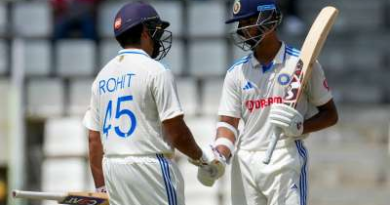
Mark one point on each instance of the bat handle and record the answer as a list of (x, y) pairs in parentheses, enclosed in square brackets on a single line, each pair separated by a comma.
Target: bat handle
[(38, 195), (272, 144)]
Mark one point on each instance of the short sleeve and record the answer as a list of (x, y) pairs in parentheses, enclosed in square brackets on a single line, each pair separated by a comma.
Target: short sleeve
[(230, 104), (91, 119), (165, 95), (319, 92)]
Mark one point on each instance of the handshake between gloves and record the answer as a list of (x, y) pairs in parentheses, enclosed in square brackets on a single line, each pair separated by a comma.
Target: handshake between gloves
[(288, 119), (211, 166)]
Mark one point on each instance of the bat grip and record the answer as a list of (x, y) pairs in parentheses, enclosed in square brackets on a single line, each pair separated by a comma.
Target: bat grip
[(38, 195), (272, 144)]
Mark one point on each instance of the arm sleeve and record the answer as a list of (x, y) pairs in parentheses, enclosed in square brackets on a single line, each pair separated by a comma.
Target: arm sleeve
[(92, 119), (318, 92), (165, 95), (230, 104)]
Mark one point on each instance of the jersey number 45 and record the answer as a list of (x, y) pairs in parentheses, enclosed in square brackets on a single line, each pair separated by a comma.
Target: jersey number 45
[(118, 114)]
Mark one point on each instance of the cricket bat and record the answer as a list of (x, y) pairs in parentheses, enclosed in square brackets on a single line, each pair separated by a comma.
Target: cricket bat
[(76, 198), (309, 53)]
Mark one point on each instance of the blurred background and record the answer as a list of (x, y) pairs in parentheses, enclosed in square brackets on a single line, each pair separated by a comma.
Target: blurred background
[(50, 52)]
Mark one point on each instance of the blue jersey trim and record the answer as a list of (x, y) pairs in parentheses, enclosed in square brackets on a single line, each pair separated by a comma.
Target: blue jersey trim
[(292, 50), (239, 62), (133, 52), (292, 54), (268, 67)]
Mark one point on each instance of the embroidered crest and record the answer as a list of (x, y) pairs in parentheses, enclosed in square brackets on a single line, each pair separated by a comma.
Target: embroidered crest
[(283, 79), (236, 7)]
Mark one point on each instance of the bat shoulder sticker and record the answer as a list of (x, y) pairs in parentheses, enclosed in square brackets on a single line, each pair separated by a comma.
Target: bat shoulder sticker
[(73, 198)]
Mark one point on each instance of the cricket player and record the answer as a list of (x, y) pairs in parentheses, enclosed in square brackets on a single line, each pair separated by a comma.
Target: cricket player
[(135, 119), (252, 92)]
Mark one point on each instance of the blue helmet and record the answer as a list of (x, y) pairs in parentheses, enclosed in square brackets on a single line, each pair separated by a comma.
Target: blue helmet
[(268, 18), (135, 13)]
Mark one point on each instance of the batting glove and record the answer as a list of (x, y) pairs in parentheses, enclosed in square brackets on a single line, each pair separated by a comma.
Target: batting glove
[(211, 166), (288, 119)]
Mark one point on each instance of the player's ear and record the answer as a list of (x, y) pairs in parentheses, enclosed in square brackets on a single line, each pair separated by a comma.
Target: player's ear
[(145, 35)]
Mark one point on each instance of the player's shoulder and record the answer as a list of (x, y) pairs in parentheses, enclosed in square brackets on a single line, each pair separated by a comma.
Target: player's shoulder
[(147, 64), (292, 52), (157, 67), (239, 63), (103, 72)]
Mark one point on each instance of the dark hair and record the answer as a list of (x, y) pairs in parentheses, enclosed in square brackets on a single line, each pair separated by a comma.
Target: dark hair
[(131, 36)]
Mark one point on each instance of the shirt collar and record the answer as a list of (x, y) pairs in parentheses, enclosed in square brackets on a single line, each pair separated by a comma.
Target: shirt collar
[(279, 59), (133, 51)]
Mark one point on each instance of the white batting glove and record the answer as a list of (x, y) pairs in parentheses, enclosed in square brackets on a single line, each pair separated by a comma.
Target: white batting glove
[(101, 189), (206, 175), (211, 166), (288, 119)]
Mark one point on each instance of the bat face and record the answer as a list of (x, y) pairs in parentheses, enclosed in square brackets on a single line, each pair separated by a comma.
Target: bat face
[(84, 200), (293, 89)]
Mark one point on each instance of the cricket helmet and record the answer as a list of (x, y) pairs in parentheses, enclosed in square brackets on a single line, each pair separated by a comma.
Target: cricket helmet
[(268, 16), (135, 13)]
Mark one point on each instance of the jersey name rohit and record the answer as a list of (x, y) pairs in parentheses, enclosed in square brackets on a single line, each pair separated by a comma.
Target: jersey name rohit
[(113, 84)]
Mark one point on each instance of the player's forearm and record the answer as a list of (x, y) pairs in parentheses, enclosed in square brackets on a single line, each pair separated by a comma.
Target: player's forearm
[(229, 134), (181, 138), (326, 117), (186, 144), (96, 157)]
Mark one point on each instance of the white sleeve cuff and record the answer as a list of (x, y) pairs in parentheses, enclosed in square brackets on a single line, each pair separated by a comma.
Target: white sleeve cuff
[(89, 123)]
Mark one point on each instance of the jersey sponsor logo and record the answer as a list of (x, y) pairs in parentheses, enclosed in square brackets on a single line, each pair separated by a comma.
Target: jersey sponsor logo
[(248, 86), (262, 103), (114, 84)]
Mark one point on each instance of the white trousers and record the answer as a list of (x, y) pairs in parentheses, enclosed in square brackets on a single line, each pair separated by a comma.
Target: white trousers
[(143, 180), (282, 182)]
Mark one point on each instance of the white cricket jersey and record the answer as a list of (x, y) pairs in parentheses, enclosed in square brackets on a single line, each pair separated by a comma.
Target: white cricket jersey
[(131, 96), (250, 89)]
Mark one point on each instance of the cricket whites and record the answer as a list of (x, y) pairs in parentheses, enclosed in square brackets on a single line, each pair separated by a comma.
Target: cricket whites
[(310, 51)]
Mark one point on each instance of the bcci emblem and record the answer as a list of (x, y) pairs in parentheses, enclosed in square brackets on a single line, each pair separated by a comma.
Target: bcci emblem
[(236, 7), (118, 23), (283, 79)]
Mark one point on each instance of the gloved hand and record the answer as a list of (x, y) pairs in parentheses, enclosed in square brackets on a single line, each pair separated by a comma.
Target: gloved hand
[(288, 119), (211, 166), (101, 189)]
